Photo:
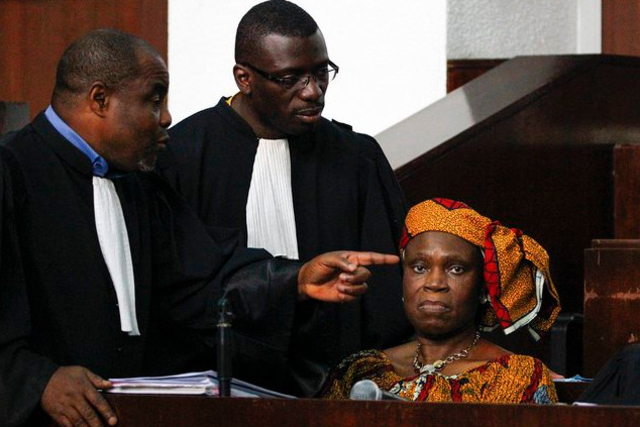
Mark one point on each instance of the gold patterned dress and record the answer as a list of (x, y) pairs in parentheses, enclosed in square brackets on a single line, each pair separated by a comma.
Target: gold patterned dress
[(509, 379)]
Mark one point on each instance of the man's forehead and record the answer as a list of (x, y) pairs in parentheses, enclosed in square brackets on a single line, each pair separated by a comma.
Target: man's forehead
[(279, 49), (153, 67)]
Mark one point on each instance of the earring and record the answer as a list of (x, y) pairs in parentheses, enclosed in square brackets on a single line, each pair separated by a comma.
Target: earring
[(484, 299)]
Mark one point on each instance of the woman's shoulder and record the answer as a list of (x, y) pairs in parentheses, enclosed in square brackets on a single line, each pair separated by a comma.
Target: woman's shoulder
[(514, 362), (497, 357), (509, 368), (364, 358), (366, 364), (514, 378)]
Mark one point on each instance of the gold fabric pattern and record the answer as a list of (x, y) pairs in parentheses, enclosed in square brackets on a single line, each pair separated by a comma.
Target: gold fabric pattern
[(509, 379)]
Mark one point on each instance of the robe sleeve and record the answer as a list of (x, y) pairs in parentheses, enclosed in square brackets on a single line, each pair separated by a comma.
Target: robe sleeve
[(23, 373), (263, 295), (383, 210), (186, 164), (194, 272)]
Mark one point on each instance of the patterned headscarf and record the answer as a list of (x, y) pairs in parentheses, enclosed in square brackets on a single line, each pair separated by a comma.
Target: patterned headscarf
[(516, 267)]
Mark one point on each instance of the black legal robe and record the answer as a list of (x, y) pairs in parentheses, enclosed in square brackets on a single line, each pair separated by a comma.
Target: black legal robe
[(345, 196), (57, 302)]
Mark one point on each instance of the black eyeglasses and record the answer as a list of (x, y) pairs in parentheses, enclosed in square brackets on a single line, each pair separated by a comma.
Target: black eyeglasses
[(322, 76)]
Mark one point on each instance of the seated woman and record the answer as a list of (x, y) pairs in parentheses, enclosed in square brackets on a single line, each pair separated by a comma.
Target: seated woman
[(462, 273)]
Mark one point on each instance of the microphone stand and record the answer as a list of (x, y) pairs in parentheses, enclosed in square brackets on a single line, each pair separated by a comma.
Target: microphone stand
[(224, 347)]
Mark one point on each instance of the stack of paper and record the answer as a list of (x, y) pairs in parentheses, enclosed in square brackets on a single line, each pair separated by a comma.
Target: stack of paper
[(190, 383)]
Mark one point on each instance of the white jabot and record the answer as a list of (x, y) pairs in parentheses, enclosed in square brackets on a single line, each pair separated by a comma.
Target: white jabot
[(271, 222), (114, 243)]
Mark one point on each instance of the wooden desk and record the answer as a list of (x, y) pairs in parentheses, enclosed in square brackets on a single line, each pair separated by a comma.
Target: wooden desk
[(195, 411), (611, 299)]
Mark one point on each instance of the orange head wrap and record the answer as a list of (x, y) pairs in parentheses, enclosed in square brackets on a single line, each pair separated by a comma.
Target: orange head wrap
[(516, 267)]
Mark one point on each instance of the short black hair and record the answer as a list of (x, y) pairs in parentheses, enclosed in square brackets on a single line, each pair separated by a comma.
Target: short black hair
[(271, 17), (106, 55)]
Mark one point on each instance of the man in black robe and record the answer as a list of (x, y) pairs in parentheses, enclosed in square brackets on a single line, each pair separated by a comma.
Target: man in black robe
[(105, 271), (339, 190)]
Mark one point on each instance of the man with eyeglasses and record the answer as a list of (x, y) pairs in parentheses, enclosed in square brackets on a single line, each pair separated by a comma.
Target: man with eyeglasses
[(104, 270), (264, 169)]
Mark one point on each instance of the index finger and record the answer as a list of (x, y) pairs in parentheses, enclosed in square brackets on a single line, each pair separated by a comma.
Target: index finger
[(98, 401), (372, 258)]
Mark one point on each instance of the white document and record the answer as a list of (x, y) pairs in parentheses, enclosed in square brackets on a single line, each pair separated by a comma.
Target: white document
[(190, 383)]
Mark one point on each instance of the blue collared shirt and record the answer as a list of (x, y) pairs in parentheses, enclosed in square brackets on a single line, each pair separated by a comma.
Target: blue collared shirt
[(99, 165)]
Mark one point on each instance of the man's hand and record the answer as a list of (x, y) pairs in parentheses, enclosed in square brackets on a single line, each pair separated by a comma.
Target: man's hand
[(71, 398), (339, 276)]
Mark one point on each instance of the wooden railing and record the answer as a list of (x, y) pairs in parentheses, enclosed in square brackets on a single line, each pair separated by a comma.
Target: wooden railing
[(172, 411)]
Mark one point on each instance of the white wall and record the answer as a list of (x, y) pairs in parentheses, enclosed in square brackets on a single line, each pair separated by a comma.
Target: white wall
[(392, 56), (508, 28), (500, 29)]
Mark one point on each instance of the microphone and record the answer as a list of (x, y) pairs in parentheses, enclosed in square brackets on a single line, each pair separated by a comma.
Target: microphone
[(369, 390), (223, 347)]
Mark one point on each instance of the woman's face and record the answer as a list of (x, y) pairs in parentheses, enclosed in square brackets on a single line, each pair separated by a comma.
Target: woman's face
[(441, 284)]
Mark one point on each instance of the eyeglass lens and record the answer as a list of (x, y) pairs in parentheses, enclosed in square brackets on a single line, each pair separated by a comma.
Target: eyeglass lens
[(322, 77)]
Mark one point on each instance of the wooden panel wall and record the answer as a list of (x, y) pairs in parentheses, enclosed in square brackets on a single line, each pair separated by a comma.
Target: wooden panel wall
[(627, 192), (13, 116), (34, 33), (611, 300), (538, 154), (621, 27)]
